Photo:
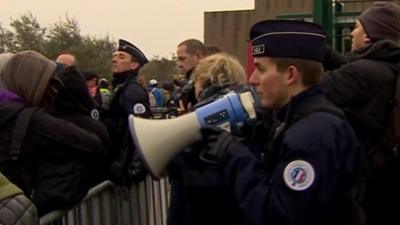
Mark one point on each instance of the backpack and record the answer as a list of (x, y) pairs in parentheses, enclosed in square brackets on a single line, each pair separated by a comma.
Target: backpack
[(19, 131), (152, 99), (13, 158)]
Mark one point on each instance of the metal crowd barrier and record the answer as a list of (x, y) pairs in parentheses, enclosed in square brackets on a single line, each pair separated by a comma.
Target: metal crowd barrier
[(107, 204), (163, 112)]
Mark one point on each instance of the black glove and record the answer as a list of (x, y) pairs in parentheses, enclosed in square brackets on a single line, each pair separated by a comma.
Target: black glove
[(137, 171), (125, 173), (217, 143), (332, 59)]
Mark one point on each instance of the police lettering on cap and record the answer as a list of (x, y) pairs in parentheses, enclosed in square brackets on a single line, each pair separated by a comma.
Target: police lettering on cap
[(132, 50), (288, 39)]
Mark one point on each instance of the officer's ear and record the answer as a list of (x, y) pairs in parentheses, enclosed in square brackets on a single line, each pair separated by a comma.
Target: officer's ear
[(134, 65), (292, 74)]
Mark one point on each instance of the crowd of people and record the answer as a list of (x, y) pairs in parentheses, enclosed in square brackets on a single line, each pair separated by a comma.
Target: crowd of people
[(312, 156)]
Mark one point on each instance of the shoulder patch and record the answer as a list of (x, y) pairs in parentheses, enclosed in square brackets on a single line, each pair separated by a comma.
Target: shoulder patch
[(299, 175), (139, 108), (95, 114)]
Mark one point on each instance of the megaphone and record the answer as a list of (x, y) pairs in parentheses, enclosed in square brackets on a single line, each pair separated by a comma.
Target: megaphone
[(158, 141)]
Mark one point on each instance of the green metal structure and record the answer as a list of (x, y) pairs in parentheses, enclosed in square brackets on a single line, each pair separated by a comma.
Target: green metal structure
[(323, 15), (337, 17)]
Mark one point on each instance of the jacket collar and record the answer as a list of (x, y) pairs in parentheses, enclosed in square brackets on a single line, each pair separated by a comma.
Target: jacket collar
[(383, 50), (296, 101)]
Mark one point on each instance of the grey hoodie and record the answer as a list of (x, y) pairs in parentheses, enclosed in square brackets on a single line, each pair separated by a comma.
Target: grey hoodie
[(27, 74)]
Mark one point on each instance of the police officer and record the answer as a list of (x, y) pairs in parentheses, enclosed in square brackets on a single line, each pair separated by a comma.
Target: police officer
[(129, 97), (310, 161)]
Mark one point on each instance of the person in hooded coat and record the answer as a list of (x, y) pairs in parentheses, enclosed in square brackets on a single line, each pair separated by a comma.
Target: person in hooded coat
[(28, 80), (74, 104)]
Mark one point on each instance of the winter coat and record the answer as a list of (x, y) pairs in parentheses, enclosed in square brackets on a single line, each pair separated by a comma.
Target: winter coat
[(15, 208), (364, 87), (50, 167), (74, 105)]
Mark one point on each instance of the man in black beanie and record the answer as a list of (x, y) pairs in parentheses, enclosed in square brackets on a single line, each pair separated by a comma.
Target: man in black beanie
[(364, 88), (381, 21), (129, 97)]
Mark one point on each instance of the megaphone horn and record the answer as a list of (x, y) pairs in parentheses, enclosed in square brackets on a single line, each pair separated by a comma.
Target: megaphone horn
[(158, 141)]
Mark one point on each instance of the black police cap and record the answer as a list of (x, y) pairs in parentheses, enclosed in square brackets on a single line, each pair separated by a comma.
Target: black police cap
[(132, 50), (288, 39)]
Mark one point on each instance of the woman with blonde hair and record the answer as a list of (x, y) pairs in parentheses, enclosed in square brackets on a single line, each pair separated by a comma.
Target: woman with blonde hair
[(217, 73)]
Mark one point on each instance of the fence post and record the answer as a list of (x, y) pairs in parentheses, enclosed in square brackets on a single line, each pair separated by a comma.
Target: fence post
[(322, 14)]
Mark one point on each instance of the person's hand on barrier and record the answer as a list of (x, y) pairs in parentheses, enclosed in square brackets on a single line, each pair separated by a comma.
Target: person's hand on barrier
[(137, 171), (217, 143)]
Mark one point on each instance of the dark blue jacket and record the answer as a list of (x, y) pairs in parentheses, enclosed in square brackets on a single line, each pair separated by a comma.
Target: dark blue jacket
[(305, 174), (129, 97)]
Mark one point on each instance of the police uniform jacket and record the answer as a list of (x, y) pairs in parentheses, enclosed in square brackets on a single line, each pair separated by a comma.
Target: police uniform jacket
[(305, 173), (129, 97), (364, 87)]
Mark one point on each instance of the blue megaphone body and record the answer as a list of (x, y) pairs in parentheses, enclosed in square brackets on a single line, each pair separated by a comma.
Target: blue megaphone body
[(230, 111)]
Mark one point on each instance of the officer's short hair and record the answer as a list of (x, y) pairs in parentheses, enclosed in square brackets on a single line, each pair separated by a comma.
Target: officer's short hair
[(310, 70)]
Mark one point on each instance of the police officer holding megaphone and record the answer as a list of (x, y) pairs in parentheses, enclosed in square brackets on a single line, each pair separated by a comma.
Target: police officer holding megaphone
[(311, 160)]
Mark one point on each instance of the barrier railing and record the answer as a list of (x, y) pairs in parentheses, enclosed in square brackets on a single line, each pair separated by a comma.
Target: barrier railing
[(163, 112), (106, 204)]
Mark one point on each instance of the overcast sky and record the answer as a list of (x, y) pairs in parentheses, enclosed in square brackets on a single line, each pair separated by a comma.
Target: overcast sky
[(155, 26)]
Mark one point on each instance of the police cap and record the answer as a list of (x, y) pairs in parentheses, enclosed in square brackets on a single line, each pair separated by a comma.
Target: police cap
[(288, 39), (132, 50)]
